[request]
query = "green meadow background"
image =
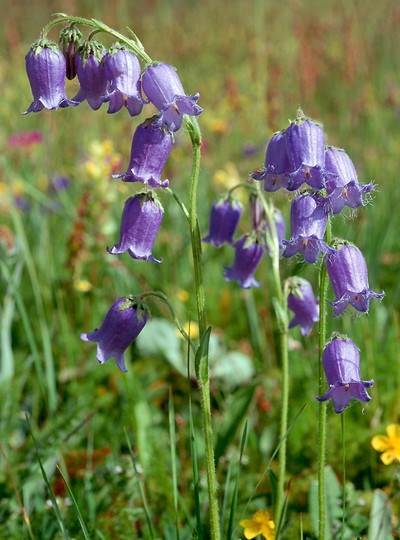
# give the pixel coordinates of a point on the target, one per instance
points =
(253, 63)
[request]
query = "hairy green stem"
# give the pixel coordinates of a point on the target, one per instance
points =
(323, 286)
(204, 380)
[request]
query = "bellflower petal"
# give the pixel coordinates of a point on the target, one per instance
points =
(151, 146)
(348, 275)
(341, 362)
(141, 219)
(274, 173)
(122, 324)
(91, 74)
(302, 302)
(248, 254)
(224, 219)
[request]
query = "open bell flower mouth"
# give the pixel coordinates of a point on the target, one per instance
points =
(91, 74)
(248, 254)
(341, 362)
(389, 445)
(162, 86)
(342, 186)
(302, 301)
(140, 222)
(348, 275)
(308, 220)
(224, 219)
(122, 324)
(151, 146)
(122, 69)
(46, 70)
(260, 523)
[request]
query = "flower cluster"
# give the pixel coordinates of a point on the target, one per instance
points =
(116, 77)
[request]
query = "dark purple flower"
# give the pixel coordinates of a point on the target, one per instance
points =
(224, 219)
(91, 74)
(274, 173)
(302, 302)
(308, 221)
(151, 146)
(164, 89)
(123, 73)
(342, 186)
(70, 38)
(121, 326)
(305, 145)
(248, 254)
(45, 67)
(141, 219)
(348, 274)
(341, 361)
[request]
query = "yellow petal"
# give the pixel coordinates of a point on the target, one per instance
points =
(387, 458)
(380, 443)
(393, 430)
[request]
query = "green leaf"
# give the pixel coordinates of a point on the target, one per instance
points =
(379, 523)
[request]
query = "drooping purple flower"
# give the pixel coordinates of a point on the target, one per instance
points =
(248, 254)
(225, 216)
(348, 275)
(308, 221)
(91, 74)
(122, 70)
(302, 302)
(141, 219)
(341, 361)
(121, 326)
(151, 146)
(261, 223)
(305, 145)
(70, 38)
(164, 89)
(275, 172)
(45, 67)
(342, 186)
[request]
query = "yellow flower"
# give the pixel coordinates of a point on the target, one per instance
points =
(390, 445)
(260, 523)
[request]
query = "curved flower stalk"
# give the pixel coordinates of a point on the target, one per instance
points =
(164, 89)
(348, 275)
(141, 219)
(341, 361)
(46, 70)
(122, 324)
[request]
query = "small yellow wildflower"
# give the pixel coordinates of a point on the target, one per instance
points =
(82, 285)
(390, 445)
(260, 523)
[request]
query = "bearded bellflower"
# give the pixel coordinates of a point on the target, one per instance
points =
(70, 37)
(274, 174)
(91, 74)
(141, 219)
(225, 216)
(308, 221)
(248, 254)
(46, 70)
(151, 146)
(261, 224)
(302, 302)
(342, 186)
(122, 70)
(305, 145)
(348, 275)
(164, 89)
(122, 324)
(341, 362)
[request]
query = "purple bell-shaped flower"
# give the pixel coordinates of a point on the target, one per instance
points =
(274, 173)
(224, 219)
(121, 326)
(342, 186)
(308, 221)
(151, 146)
(261, 224)
(302, 302)
(305, 144)
(91, 74)
(248, 254)
(341, 361)
(164, 89)
(122, 70)
(46, 70)
(70, 37)
(348, 275)
(141, 219)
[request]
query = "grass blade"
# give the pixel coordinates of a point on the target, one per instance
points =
(171, 417)
(78, 512)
